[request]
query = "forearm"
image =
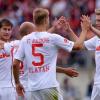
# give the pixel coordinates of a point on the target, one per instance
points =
(82, 37)
(16, 74)
(96, 31)
(79, 43)
(71, 72)
(72, 35)
(60, 70)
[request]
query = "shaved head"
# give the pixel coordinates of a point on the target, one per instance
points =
(26, 28)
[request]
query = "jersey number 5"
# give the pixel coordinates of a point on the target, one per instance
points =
(36, 54)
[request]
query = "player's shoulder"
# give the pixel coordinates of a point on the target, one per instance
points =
(12, 43)
(29, 35)
(94, 38)
(36, 34)
(54, 35)
(25, 37)
(16, 41)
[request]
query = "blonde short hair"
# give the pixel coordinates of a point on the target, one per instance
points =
(40, 15)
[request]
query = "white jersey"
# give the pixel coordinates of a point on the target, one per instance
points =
(94, 44)
(5, 69)
(11, 48)
(40, 51)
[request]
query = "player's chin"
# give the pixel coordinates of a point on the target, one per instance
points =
(6, 37)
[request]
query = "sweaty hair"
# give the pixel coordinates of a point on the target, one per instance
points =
(40, 15)
(5, 22)
(97, 11)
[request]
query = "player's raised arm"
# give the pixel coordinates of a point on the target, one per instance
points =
(57, 25)
(62, 23)
(71, 72)
(70, 32)
(85, 25)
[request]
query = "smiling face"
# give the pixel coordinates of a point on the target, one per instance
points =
(5, 32)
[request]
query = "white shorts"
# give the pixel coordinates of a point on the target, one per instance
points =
(44, 94)
(7, 94)
(95, 93)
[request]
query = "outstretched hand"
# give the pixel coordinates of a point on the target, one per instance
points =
(59, 24)
(67, 26)
(20, 90)
(85, 22)
(71, 72)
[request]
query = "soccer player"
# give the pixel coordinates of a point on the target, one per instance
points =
(94, 45)
(7, 91)
(40, 51)
(68, 71)
(11, 47)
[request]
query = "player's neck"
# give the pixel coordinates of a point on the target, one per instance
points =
(41, 28)
(4, 40)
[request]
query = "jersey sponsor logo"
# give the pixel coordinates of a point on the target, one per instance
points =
(39, 69)
(4, 55)
(98, 48)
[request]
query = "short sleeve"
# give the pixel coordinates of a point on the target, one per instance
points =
(62, 42)
(91, 43)
(19, 55)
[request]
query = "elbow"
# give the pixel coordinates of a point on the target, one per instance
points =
(78, 47)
